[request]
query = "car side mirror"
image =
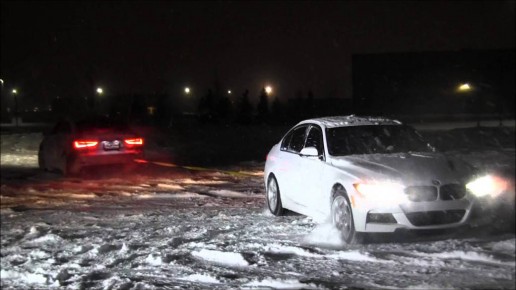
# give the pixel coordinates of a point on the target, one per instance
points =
(309, 152)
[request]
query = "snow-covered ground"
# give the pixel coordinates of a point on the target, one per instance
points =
(207, 228)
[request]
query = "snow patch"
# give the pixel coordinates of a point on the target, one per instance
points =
(218, 257)
(201, 278)
(201, 182)
(279, 284)
(227, 193)
(50, 238)
(468, 256)
(28, 278)
(507, 246)
(427, 286)
(356, 256)
(38, 254)
(153, 260)
(280, 249)
(19, 160)
(169, 195)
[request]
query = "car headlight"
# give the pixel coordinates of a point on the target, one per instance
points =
(487, 186)
(382, 192)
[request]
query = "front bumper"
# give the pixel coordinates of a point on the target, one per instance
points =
(414, 216)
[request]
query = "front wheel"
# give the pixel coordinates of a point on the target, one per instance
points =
(274, 197)
(342, 218)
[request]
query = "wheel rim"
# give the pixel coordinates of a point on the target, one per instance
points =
(342, 216)
(272, 194)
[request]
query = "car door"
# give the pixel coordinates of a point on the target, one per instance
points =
(289, 179)
(310, 169)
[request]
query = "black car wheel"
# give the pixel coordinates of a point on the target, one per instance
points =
(274, 197)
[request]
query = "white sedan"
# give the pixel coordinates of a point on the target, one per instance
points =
(369, 174)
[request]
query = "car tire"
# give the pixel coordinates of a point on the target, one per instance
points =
(41, 160)
(273, 197)
(70, 168)
(342, 218)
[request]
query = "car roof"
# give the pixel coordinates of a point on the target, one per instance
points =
(350, 120)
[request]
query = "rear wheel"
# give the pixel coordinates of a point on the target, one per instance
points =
(71, 168)
(274, 197)
(41, 160)
(342, 218)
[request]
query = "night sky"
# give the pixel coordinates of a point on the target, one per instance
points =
(70, 48)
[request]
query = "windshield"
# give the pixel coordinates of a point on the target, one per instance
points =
(372, 139)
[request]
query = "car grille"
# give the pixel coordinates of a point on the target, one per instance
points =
(421, 193)
(431, 193)
(429, 218)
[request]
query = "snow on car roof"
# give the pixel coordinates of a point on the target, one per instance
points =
(352, 120)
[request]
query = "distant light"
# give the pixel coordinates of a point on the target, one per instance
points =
(15, 91)
(187, 90)
(100, 91)
(229, 92)
(464, 87)
(2, 81)
(268, 90)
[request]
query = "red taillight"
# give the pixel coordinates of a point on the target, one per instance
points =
(82, 144)
(134, 141)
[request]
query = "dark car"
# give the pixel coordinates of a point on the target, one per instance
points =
(73, 145)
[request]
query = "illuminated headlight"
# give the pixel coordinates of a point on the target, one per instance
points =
(382, 193)
(487, 186)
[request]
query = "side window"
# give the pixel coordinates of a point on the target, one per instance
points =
(298, 139)
(287, 140)
(315, 139)
(66, 128)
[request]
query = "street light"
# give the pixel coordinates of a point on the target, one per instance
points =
(15, 95)
(268, 90)
(464, 87)
(100, 91)
(229, 92)
(187, 90)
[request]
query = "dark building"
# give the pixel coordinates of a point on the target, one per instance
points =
(445, 84)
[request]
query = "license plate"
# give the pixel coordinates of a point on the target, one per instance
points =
(114, 145)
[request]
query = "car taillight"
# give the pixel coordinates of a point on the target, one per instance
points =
(134, 141)
(83, 144)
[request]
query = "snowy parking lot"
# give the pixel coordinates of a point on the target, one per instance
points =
(164, 226)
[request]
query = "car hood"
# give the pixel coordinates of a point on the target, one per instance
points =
(409, 168)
